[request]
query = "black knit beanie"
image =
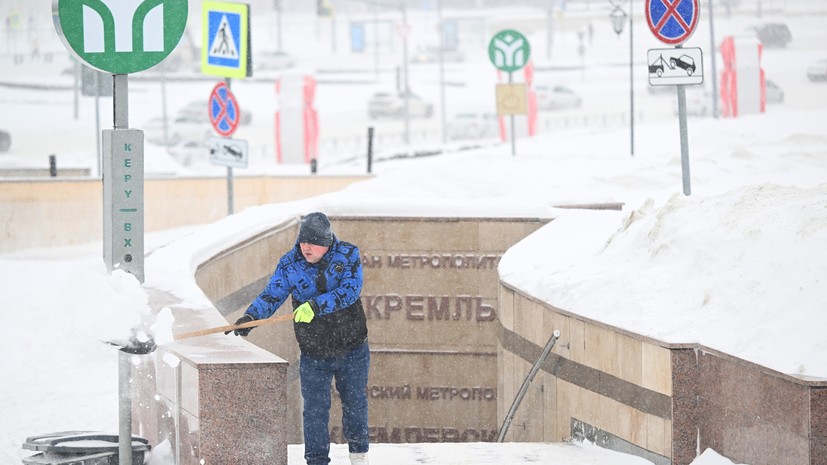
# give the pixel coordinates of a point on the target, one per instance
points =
(315, 229)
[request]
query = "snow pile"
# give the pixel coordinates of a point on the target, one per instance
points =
(737, 272)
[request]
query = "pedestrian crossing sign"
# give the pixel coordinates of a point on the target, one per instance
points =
(225, 47)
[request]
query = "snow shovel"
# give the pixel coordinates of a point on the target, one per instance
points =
(225, 328)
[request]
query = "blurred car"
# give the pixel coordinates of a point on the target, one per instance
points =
(556, 98)
(772, 35)
(774, 92)
(198, 110)
(473, 126)
(386, 104)
(431, 55)
(698, 102)
(179, 130)
(684, 62)
(818, 71)
(5, 141)
(191, 151)
(268, 59)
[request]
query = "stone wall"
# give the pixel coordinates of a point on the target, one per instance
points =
(638, 395)
(430, 295)
(45, 212)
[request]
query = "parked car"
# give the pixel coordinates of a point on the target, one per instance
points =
(773, 35)
(267, 59)
(818, 71)
(698, 101)
(774, 92)
(431, 55)
(386, 104)
(684, 62)
(556, 98)
(198, 110)
(179, 130)
(5, 141)
(473, 126)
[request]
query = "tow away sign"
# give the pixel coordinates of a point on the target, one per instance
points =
(228, 152)
(674, 66)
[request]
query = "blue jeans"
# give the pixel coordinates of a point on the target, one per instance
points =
(351, 373)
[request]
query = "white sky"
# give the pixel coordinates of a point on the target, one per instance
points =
(737, 266)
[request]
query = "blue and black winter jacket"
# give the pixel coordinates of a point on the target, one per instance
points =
(332, 286)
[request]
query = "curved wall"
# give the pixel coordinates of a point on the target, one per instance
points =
(661, 401)
(430, 295)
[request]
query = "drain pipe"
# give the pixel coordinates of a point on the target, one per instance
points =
(526, 383)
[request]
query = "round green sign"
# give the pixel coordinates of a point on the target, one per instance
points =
(509, 50)
(117, 36)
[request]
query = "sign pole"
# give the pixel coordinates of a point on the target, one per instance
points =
(513, 136)
(684, 135)
(673, 26)
(230, 199)
(509, 51)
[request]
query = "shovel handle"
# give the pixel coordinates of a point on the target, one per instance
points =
(221, 329)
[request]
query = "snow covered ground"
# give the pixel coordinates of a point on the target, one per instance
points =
(738, 266)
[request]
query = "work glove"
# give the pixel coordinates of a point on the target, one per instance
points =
(243, 332)
(303, 313)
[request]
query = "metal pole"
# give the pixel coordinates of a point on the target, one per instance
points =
(278, 21)
(550, 28)
(526, 383)
(687, 189)
(513, 136)
(98, 125)
(407, 90)
(370, 149)
(124, 409)
(442, 69)
(631, 79)
(375, 42)
(120, 100)
(715, 110)
(230, 200)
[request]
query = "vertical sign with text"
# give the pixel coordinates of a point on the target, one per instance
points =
(123, 202)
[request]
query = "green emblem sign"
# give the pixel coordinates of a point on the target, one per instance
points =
(509, 50)
(118, 36)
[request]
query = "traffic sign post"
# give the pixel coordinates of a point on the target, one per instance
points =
(509, 51)
(228, 152)
(226, 40)
(225, 116)
(675, 66)
(673, 22)
(116, 39)
(224, 112)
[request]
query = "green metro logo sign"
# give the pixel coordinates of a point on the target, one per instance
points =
(120, 36)
(509, 50)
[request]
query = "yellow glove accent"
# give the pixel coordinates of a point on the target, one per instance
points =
(303, 313)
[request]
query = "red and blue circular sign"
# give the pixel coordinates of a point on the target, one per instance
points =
(223, 110)
(672, 21)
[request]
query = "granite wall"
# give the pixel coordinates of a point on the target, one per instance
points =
(661, 401)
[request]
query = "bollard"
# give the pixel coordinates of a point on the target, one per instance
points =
(52, 166)
(370, 149)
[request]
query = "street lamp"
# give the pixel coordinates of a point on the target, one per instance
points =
(618, 17)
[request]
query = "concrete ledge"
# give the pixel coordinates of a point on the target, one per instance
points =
(215, 399)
